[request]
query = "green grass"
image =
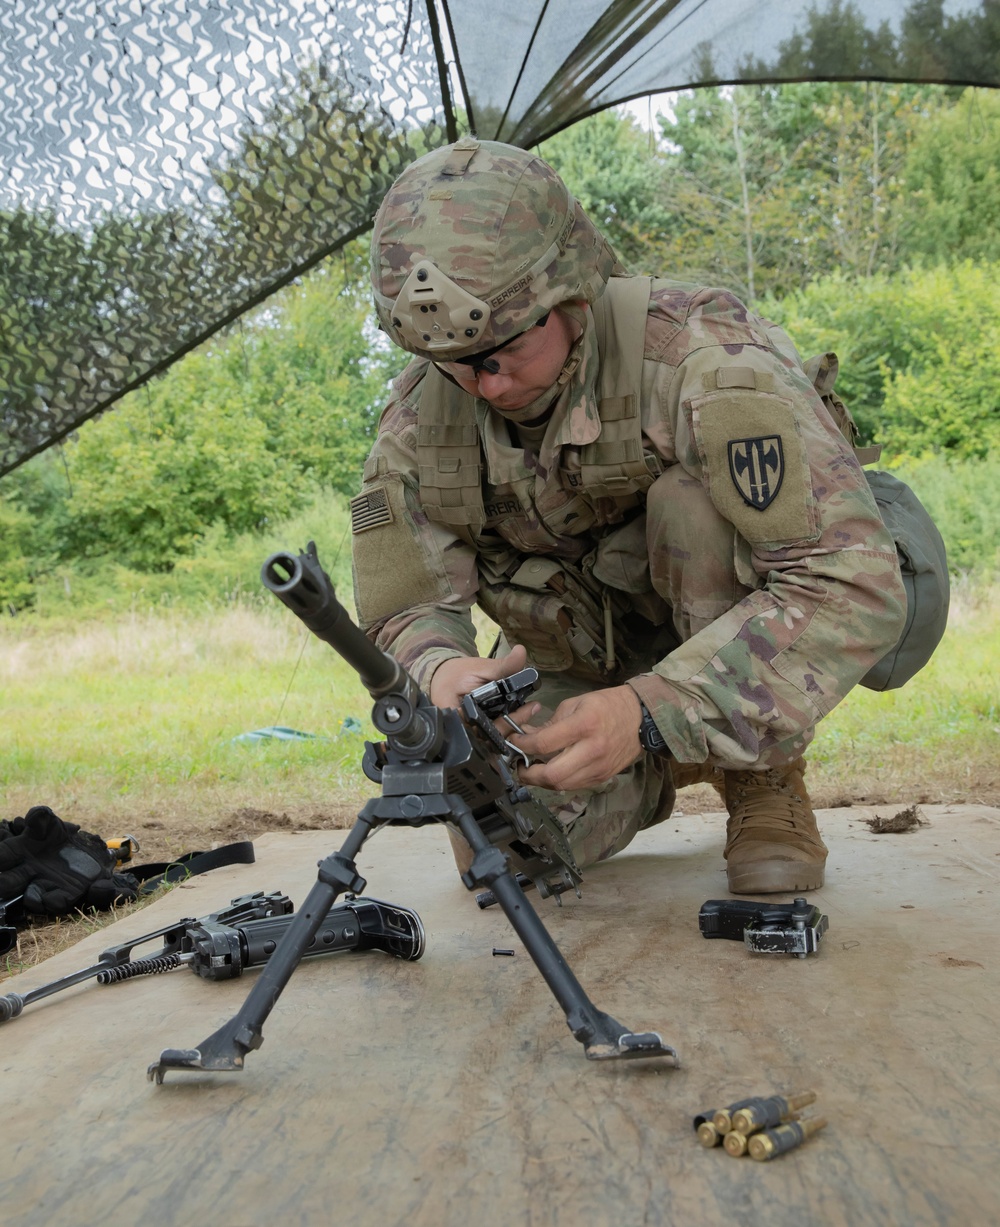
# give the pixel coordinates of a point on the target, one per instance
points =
(142, 711)
(941, 731)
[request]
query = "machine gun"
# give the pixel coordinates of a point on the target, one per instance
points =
(435, 765)
(245, 934)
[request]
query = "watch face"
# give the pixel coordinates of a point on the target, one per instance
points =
(650, 737)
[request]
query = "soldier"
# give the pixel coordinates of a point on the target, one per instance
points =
(637, 481)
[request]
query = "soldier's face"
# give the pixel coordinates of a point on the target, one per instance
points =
(528, 366)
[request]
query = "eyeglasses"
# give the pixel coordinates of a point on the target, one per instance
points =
(473, 366)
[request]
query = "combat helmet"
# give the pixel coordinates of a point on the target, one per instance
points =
(475, 243)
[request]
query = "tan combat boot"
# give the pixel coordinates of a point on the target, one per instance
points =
(773, 845)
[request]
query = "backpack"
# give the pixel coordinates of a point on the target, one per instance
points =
(923, 560)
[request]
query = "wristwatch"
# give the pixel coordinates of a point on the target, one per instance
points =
(650, 737)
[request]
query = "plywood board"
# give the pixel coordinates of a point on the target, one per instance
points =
(449, 1091)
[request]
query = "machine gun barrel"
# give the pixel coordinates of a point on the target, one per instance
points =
(301, 583)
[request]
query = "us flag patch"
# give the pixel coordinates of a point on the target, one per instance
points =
(370, 510)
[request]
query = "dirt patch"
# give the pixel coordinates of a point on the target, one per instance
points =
(248, 823)
(170, 827)
(948, 960)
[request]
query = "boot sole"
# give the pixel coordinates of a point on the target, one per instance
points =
(774, 878)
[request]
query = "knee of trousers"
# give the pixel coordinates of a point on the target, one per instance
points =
(602, 821)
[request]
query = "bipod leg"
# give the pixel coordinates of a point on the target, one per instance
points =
(225, 1049)
(601, 1036)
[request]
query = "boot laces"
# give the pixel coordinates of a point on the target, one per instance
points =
(766, 802)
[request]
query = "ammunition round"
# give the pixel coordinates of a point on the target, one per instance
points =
(746, 1121)
(708, 1135)
(761, 1147)
(735, 1143)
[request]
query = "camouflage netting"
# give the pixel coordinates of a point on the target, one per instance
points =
(165, 165)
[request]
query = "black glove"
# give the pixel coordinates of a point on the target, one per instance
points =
(57, 867)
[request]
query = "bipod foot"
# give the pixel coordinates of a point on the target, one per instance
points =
(630, 1045)
(222, 1052)
(603, 1038)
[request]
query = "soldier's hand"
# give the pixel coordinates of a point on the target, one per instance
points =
(590, 739)
(456, 677)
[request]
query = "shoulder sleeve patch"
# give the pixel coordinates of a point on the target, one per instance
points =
(755, 463)
(400, 566)
(370, 509)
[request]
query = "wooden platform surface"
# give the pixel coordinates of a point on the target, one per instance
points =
(450, 1091)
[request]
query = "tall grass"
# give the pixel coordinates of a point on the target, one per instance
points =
(938, 737)
(147, 707)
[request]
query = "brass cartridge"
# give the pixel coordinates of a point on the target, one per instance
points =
(765, 1113)
(735, 1143)
(723, 1118)
(774, 1142)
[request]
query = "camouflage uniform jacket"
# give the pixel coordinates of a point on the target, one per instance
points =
(817, 599)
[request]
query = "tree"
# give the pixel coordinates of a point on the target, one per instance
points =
(608, 163)
(771, 186)
(172, 461)
(947, 400)
(16, 587)
(737, 182)
(317, 374)
(919, 354)
(952, 179)
(836, 42)
(236, 434)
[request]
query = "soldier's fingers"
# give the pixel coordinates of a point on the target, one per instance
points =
(521, 716)
(544, 741)
(569, 726)
(570, 769)
(515, 660)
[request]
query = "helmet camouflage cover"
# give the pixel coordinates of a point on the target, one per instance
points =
(474, 243)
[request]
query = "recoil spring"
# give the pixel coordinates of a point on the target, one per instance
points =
(140, 967)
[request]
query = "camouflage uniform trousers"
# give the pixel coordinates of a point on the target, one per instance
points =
(695, 572)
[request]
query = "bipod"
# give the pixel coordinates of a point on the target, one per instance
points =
(225, 1049)
(602, 1037)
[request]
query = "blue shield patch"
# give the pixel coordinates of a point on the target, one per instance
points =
(757, 467)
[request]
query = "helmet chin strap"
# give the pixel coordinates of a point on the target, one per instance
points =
(538, 408)
(541, 405)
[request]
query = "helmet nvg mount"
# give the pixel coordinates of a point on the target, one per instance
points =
(474, 243)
